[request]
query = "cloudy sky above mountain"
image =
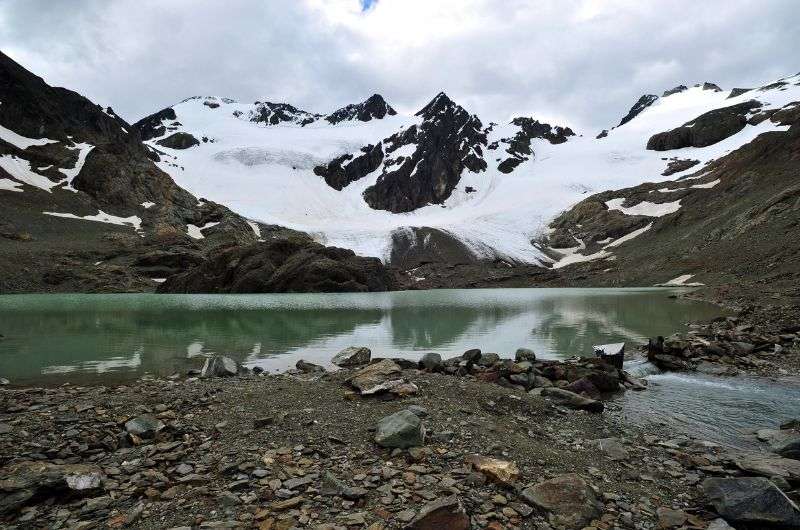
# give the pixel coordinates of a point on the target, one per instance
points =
(581, 62)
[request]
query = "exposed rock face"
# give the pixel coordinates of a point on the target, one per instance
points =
(375, 107)
(153, 126)
(23, 482)
(281, 266)
(707, 129)
(179, 140)
(677, 165)
(754, 501)
(341, 171)
(677, 90)
(413, 246)
(519, 147)
(435, 152)
(643, 102)
(268, 113)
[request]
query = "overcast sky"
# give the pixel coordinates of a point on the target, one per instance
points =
(580, 63)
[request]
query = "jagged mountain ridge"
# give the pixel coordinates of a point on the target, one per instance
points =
(492, 188)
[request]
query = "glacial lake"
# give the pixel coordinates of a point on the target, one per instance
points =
(81, 338)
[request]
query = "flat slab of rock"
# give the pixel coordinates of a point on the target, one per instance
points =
(568, 498)
(352, 356)
(501, 471)
(145, 426)
(445, 513)
(785, 442)
(572, 400)
(767, 465)
(401, 430)
(753, 500)
(612, 448)
(25, 480)
(374, 375)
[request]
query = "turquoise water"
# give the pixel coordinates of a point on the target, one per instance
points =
(85, 338)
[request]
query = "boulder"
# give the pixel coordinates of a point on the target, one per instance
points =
(23, 481)
(352, 356)
(569, 500)
(179, 140)
(612, 448)
(446, 513)
(400, 430)
(769, 466)
(431, 362)
(219, 366)
(572, 400)
(670, 518)
(501, 471)
(751, 500)
(471, 356)
(309, 368)
(374, 375)
(524, 354)
(144, 426)
(488, 359)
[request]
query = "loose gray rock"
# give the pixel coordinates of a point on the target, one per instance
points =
(219, 366)
(445, 513)
(753, 500)
(524, 354)
(431, 362)
(352, 356)
(145, 426)
(401, 430)
(568, 498)
(572, 400)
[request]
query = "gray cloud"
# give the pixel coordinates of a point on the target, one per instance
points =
(580, 62)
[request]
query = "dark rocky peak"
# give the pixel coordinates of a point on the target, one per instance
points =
(375, 107)
(736, 92)
(643, 102)
(677, 90)
(270, 113)
(424, 162)
(519, 147)
(711, 86)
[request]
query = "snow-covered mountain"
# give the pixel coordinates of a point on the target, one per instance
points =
(362, 175)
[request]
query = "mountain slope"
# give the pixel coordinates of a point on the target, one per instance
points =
(83, 207)
(491, 189)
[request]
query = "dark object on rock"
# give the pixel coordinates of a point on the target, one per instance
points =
(613, 354)
(442, 514)
(572, 400)
(352, 356)
(24, 482)
(219, 366)
(431, 362)
(707, 129)
(293, 265)
(179, 140)
(309, 368)
(401, 430)
(678, 165)
(643, 102)
(750, 500)
(568, 498)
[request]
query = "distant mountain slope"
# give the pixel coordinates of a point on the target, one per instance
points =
(83, 207)
(493, 188)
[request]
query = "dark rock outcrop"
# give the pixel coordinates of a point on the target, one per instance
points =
(269, 113)
(519, 147)
(179, 140)
(375, 107)
(677, 165)
(677, 90)
(281, 266)
(153, 126)
(738, 92)
(707, 129)
(340, 172)
(446, 142)
(643, 102)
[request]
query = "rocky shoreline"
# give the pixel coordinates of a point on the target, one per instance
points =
(379, 444)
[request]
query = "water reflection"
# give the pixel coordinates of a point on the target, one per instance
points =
(52, 338)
